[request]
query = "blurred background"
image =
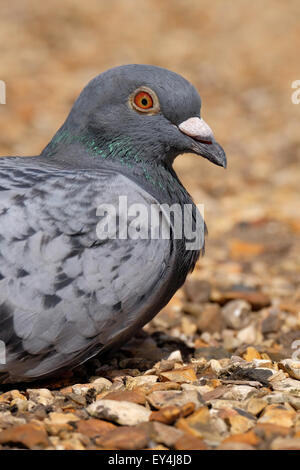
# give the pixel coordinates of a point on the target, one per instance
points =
(241, 56)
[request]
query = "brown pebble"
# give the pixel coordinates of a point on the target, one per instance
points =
(94, 427)
(166, 415)
(124, 438)
(210, 319)
(258, 300)
(28, 435)
(127, 395)
(187, 442)
(278, 414)
(247, 438)
(187, 409)
(197, 290)
(268, 431)
(164, 386)
(182, 375)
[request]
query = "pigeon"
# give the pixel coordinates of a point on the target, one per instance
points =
(69, 291)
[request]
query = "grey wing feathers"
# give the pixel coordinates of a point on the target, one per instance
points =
(63, 292)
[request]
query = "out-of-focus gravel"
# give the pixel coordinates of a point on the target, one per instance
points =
(219, 366)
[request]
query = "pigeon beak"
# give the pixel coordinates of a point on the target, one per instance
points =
(203, 141)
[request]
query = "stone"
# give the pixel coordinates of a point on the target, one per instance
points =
(239, 392)
(162, 433)
(133, 382)
(251, 354)
(166, 415)
(159, 447)
(200, 389)
(294, 402)
(246, 438)
(226, 404)
(71, 443)
(205, 340)
(42, 396)
(286, 385)
(127, 395)
(289, 443)
(209, 318)
(78, 399)
(187, 409)
(164, 365)
(180, 375)
(197, 290)
(248, 335)
(215, 366)
(192, 309)
(281, 415)
(163, 386)
(99, 385)
(93, 427)
(251, 374)
(256, 405)
(30, 435)
(272, 323)
(57, 422)
(187, 442)
(230, 342)
(256, 299)
(121, 412)
(160, 399)
(215, 393)
(7, 397)
(236, 314)
(175, 356)
(202, 425)
(292, 367)
(239, 421)
(264, 364)
(170, 316)
(7, 419)
(188, 326)
(235, 446)
(124, 438)
(20, 405)
(268, 431)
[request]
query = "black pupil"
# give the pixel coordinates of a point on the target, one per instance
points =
(144, 102)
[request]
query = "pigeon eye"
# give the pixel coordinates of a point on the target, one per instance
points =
(144, 100)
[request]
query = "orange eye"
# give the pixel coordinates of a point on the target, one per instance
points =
(143, 100)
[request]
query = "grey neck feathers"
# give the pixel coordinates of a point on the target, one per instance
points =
(73, 148)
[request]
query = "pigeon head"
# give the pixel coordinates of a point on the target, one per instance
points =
(138, 112)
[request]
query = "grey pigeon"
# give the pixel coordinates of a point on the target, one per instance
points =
(66, 294)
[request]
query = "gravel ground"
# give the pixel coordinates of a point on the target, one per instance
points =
(219, 367)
